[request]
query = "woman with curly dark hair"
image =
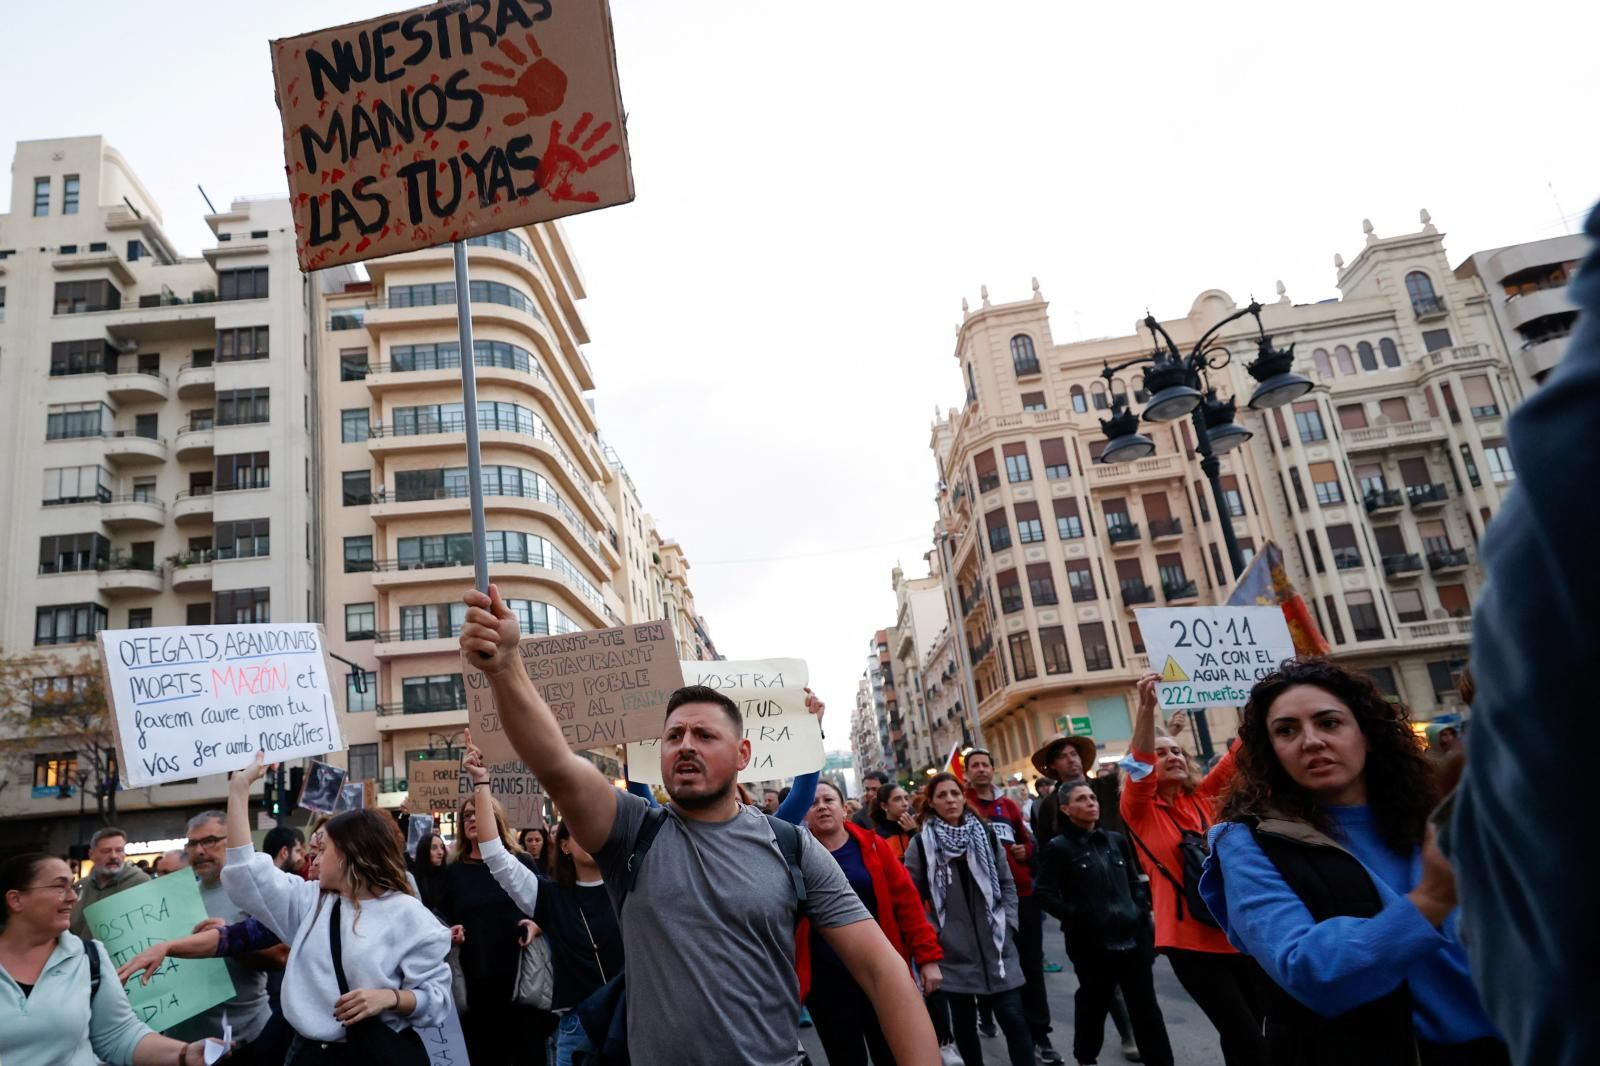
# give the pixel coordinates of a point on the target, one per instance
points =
(1321, 870)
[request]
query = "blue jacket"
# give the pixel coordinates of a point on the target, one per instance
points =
(1519, 831)
(1338, 964)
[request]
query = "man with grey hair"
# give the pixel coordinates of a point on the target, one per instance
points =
(170, 862)
(248, 1011)
(111, 874)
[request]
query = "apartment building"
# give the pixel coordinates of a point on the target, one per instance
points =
(151, 398)
(864, 727)
(1377, 485)
(1527, 288)
(920, 616)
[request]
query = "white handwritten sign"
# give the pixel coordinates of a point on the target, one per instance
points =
(192, 701)
(1212, 656)
(446, 1044)
(785, 740)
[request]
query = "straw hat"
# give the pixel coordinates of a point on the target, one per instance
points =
(1087, 753)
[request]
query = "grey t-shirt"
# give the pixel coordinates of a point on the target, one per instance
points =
(709, 934)
(248, 1011)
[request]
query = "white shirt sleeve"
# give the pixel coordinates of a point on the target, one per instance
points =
(276, 899)
(519, 882)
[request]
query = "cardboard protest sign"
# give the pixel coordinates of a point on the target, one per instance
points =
(785, 739)
(192, 701)
(151, 913)
(434, 784)
(448, 121)
(323, 787)
(446, 1044)
(522, 798)
(606, 686)
(1212, 656)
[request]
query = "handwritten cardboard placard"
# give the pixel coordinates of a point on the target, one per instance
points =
(522, 797)
(434, 784)
(446, 1044)
(785, 739)
(152, 913)
(606, 686)
(323, 788)
(192, 701)
(448, 121)
(1212, 656)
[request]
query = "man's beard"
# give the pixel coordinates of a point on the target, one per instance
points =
(699, 801)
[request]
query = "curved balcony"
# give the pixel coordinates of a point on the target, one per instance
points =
(191, 572)
(1384, 436)
(391, 573)
(1542, 303)
(132, 512)
(120, 579)
(193, 506)
(136, 386)
(195, 442)
(196, 382)
(124, 447)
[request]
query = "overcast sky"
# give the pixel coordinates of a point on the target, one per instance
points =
(820, 184)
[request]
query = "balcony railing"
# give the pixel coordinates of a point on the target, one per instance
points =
(1347, 558)
(136, 497)
(1165, 527)
(1180, 590)
(150, 567)
(1395, 565)
(1133, 593)
(1084, 595)
(1123, 532)
(424, 708)
(1427, 306)
(981, 649)
(1026, 367)
(195, 490)
(1384, 500)
(1451, 559)
(1427, 495)
(198, 557)
(1098, 659)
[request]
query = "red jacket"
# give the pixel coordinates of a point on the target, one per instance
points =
(900, 912)
(1004, 809)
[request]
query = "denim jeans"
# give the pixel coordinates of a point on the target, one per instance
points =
(570, 1039)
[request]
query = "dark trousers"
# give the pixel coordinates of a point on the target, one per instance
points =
(939, 1011)
(1228, 989)
(1008, 1014)
(504, 1033)
(1100, 974)
(1030, 950)
(845, 1021)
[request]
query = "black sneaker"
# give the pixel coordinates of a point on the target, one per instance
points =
(988, 1029)
(1046, 1053)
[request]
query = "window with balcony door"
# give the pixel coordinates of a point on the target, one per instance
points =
(1364, 616)
(432, 621)
(1116, 512)
(1130, 579)
(1069, 525)
(1080, 403)
(999, 532)
(1395, 409)
(1352, 416)
(1391, 541)
(1022, 666)
(988, 475)
(1416, 476)
(1096, 650)
(1158, 514)
(1231, 493)
(1174, 577)
(1080, 581)
(1054, 453)
(1030, 530)
(436, 692)
(1343, 360)
(1497, 455)
(1322, 363)
(1481, 400)
(1010, 591)
(1033, 401)
(1453, 598)
(1023, 359)
(1308, 421)
(1053, 643)
(1041, 585)
(1326, 484)
(1435, 538)
(1408, 606)
(1016, 456)
(1346, 550)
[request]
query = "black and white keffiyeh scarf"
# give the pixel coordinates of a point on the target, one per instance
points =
(969, 840)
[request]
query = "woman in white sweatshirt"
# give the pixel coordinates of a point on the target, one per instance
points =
(392, 949)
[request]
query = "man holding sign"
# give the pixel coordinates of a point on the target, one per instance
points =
(717, 868)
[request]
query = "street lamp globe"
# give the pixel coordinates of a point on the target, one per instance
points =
(1224, 434)
(1171, 396)
(1279, 384)
(1122, 431)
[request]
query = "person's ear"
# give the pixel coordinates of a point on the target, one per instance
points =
(744, 754)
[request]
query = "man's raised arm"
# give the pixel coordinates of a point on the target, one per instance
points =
(586, 799)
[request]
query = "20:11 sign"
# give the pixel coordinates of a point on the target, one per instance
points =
(1212, 656)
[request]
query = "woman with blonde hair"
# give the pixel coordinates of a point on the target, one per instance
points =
(362, 948)
(487, 923)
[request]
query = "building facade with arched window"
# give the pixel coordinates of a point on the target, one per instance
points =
(1377, 486)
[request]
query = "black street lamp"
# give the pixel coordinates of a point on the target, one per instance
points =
(1174, 382)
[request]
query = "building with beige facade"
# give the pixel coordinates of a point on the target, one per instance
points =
(920, 618)
(1527, 288)
(160, 454)
(1377, 485)
(864, 722)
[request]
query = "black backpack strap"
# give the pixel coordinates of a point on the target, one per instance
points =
(788, 837)
(1176, 884)
(334, 936)
(654, 819)
(94, 966)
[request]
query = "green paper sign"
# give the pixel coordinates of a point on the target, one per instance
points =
(157, 911)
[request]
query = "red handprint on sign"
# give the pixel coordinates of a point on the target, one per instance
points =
(541, 85)
(561, 160)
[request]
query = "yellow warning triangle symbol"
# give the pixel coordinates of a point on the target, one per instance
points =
(1172, 671)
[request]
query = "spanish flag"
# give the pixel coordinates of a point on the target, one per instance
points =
(1265, 583)
(955, 764)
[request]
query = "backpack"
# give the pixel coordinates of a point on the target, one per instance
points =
(94, 966)
(604, 1013)
(1192, 852)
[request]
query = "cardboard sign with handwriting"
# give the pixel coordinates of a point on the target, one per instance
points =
(785, 739)
(152, 913)
(606, 687)
(434, 784)
(449, 121)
